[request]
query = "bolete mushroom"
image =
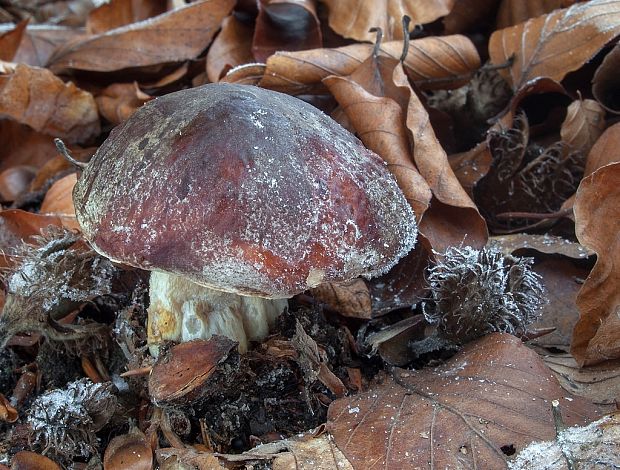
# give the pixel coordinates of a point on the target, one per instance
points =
(238, 198)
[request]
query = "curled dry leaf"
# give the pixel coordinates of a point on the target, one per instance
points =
(354, 18)
(41, 41)
(285, 25)
(131, 450)
(515, 244)
(391, 120)
(458, 414)
(175, 36)
(596, 337)
(26, 460)
(605, 83)
(350, 298)
(606, 150)
(36, 97)
(231, 47)
(469, 167)
(115, 14)
(557, 43)
(599, 383)
(583, 125)
(10, 40)
(445, 62)
(512, 12)
(120, 100)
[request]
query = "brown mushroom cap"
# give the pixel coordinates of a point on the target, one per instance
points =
(243, 190)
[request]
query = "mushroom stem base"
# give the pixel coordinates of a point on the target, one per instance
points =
(181, 310)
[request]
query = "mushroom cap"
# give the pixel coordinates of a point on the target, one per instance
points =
(243, 190)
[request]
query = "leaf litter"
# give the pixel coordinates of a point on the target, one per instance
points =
(354, 375)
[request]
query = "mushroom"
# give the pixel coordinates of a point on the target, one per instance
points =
(237, 198)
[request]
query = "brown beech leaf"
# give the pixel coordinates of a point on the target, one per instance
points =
(230, 48)
(518, 243)
(599, 383)
(605, 83)
(10, 40)
(118, 101)
(557, 43)
(596, 337)
(379, 121)
(495, 394)
(512, 12)
(119, 13)
(175, 36)
(562, 280)
(39, 42)
(469, 167)
(18, 225)
(445, 62)
(583, 125)
(349, 298)
(353, 18)
(36, 97)
(285, 25)
(21, 145)
(606, 150)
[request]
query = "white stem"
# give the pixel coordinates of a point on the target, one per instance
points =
(181, 310)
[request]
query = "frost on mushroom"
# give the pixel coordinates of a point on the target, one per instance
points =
(238, 190)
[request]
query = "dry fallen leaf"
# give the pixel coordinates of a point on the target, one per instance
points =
(431, 62)
(599, 383)
(10, 40)
(583, 125)
(606, 150)
(174, 36)
(230, 48)
(557, 43)
(353, 18)
(15, 181)
(285, 25)
(36, 97)
(493, 397)
(468, 15)
(517, 243)
(117, 13)
(605, 82)
(119, 101)
(39, 42)
(596, 337)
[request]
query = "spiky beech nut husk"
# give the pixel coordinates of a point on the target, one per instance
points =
(475, 292)
(243, 190)
(64, 421)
